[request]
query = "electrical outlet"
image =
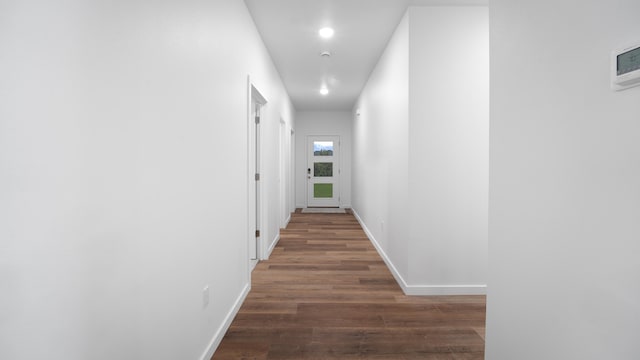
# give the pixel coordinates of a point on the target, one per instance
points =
(205, 296)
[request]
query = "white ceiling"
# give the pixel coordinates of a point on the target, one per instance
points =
(289, 29)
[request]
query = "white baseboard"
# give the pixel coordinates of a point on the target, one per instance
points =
(272, 246)
(252, 264)
(445, 290)
(222, 330)
(396, 274)
(419, 289)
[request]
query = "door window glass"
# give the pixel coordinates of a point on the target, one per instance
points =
(322, 169)
(323, 148)
(323, 190)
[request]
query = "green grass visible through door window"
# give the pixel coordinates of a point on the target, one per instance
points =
(322, 190)
(321, 169)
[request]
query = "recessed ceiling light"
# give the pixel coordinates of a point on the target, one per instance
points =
(324, 91)
(326, 32)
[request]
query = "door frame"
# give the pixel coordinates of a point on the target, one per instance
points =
(255, 195)
(283, 179)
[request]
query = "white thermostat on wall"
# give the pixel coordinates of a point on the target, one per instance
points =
(625, 68)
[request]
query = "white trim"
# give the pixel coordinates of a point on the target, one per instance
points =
(222, 330)
(272, 246)
(250, 170)
(445, 290)
(419, 289)
(287, 221)
(283, 207)
(252, 264)
(256, 199)
(396, 274)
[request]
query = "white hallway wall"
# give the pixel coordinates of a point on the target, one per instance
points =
(564, 220)
(123, 177)
(381, 151)
(323, 123)
(421, 151)
(449, 146)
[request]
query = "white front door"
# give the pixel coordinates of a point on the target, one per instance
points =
(323, 171)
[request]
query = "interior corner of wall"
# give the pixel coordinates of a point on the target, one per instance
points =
(392, 268)
(226, 323)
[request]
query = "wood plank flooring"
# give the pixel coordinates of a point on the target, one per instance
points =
(325, 293)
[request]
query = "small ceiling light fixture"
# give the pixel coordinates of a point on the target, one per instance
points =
(326, 32)
(325, 54)
(324, 90)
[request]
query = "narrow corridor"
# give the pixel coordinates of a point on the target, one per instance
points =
(325, 293)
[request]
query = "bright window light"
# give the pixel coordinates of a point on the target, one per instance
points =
(326, 32)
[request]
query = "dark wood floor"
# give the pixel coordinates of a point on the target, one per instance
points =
(325, 293)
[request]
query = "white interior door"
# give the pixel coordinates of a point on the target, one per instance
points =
(323, 171)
